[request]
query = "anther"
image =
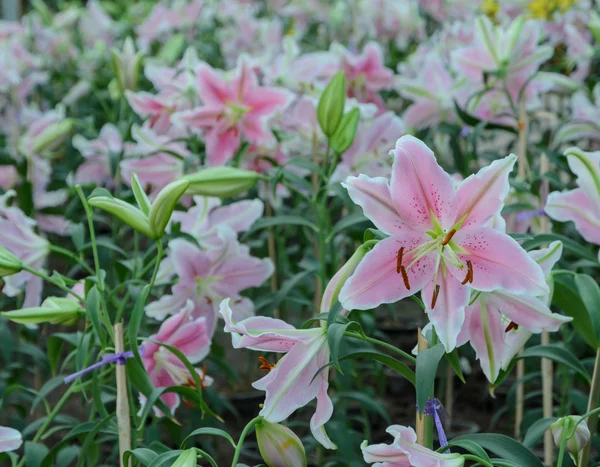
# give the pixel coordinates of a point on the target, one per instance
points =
(469, 276)
(405, 277)
(265, 365)
(436, 292)
(449, 237)
(512, 325)
(399, 260)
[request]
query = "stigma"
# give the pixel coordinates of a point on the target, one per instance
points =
(265, 365)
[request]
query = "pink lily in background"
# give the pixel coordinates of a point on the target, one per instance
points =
(291, 382)
(97, 153)
(405, 452)
(581, 205)
(585, 118)
(18, 235)
(498, 324)
(233, 109)
(440, 240)
(204, 220)
(206, 277)
(189, 335)
(10, 439)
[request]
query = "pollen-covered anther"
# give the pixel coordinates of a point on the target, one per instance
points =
(512, 325)
(436, 292)
(405, 277)
(265, 365)
(469, 276)
(399, 260)
(448, 237)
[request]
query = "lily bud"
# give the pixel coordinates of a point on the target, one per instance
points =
(126, 65)
(188, 458)
(172, 49)
(140, 195)
(53, 136)
(164, 204)
(125, 212)
(278, 445)
(594, 25)
(9, 263)
(221, 182)
(344, 136)
(331, 104)
(336, 283)
(577, 438)
(54, 310)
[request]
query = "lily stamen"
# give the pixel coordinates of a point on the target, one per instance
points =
(399, 260)
(405, 277)
(265, 365)
(469, 276)
(449, 237)
(436, 292)
(512, 325)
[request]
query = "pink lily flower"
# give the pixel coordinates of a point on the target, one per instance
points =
(291, 382)
(498, 324)
(585, 118)
(96, 168)
(581, 205)
(405, 452)
(207, 277)
(10, 439)
(440, 240)
(190, 336)
(18, 235)
(233, 109)
(204, 220)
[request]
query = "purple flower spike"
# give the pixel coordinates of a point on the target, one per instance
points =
(435, 409)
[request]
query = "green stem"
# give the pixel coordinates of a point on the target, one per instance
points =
(383, 344)
(470, 457)
(53, 282)
(89, 215)
(159, 254)
(68, 254)
(238, 448)
(592, 406)
(59, 405)
(563, 442)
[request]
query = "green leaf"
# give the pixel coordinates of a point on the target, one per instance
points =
(164, 460)
(386, 360)
(590, 295)
(558, 354)
(92, 306)
(568, 244)
(334, 313)
(345, 223)
(453, 359)
(34, 453)
(365, 400)
(144, 455)
(78, 235)
(335, 334)
(536, 431)
(473, 121)
(209, 431)
(135, 320)
(472, 447)
(503, 446)
(282, 220)
(568, 300)
(287, 287)
(426, 369)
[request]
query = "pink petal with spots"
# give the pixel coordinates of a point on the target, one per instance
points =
(419, 186)
(376, 281)
(498, 261)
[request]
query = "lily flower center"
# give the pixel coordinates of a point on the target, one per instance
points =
(234, 113)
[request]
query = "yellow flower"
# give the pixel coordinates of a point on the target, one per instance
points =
(490, 8)
(542, 9)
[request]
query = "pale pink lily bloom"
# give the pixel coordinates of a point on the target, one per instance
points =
(405, 452)
(498, 324)
(206, 277)
(155, 107)
(580, 205)
(96, 26)
(203, 220)
(440, 240)
(17, 234)
(585, 118)
(191, 337)
(291, 383)
(96, 168)
(370, 151)
(514, 48)
(233, 110)
(8, 177)
(10, 439)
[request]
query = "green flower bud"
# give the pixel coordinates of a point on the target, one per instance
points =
(54, 310)
(188, 458)
(125, 212)
(9, 263)
(278, 445)
(344, 135)
(577, 438)
(594, 25)
(126, 65)
(52, 136)
(331, 104)
(222, 182)
(172, 49)
(140, 195)
(164, 204)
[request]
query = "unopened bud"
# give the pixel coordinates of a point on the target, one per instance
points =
(52, 136)
(164, 204)
(278, 445)
(344, 135)
(125, 212)
(221, 182)
(9, 263)
(577, 435)
(126, 65)
(54, 310)
(188, 458)
(331, 104)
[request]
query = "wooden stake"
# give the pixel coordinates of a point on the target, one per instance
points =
(272, 255)
(449, 402)
(123, 420)
(422, 344)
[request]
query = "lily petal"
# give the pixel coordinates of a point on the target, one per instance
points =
(576, 206)
(487, 331)
(10, 439)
